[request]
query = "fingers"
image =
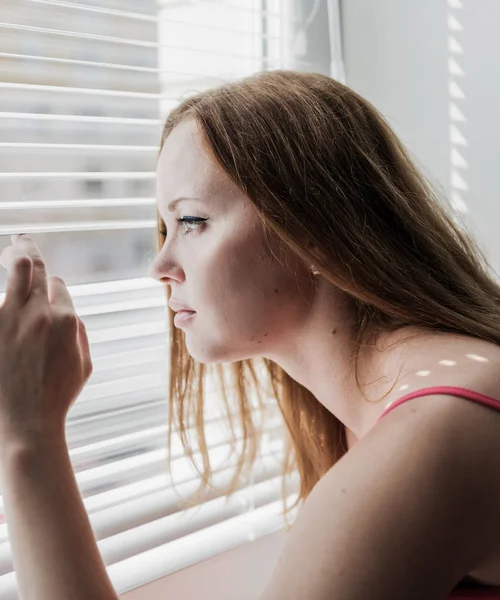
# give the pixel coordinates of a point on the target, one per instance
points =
(27, 276)
(27, 279)
(59, 295)
(39, 286)
(19, 275)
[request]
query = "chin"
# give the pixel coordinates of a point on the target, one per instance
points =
(214, 354)
(207, 355)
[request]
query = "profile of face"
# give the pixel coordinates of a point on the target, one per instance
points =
(247, 304)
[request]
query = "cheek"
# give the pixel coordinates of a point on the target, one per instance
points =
(234, 259)
(237, 279)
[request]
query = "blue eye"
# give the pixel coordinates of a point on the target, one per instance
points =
(190, 222)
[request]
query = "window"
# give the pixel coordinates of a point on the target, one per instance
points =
(92, 80)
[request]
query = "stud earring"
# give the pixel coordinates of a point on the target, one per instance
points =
(314, 270)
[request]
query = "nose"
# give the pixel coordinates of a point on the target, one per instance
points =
(164, 271)
(153, 271)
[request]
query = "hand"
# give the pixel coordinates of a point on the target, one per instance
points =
(44, 350)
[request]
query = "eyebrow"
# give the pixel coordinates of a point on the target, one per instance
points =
(173, 204)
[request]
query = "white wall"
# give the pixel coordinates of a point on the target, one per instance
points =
(396, 55)
(481, 107)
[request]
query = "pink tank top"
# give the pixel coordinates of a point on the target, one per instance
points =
(467, 587)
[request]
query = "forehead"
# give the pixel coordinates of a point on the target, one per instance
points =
(184, 162)
(186, 168)
(182, 144)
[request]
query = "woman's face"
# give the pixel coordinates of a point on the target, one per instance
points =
(246, 303)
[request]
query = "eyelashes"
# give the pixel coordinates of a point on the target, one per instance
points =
(190, 223)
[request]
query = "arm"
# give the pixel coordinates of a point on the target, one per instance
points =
(405, 514)
(54, 550)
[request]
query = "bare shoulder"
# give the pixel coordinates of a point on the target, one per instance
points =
(450, 359)
(407, 512)
(469, 428)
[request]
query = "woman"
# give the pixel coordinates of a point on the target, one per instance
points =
(308, 254)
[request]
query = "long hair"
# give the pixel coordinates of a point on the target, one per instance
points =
(329, 178)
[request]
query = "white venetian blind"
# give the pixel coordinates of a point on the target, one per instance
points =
(84, 87)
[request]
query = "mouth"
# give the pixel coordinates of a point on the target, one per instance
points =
(183, 315)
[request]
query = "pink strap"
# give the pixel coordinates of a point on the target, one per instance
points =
(450, 390)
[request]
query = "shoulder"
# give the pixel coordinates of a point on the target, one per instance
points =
(453, 444)
(450, 422)
(413, 506)
(451, 359)
(446, 360)
(409, 510)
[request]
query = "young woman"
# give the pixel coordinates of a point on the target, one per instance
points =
(306, 259)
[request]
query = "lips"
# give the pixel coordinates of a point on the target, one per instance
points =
(183, 315)
(177, 306)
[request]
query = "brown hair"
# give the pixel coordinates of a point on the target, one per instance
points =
(332, 181)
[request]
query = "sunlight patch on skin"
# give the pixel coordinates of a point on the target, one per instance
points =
(445, 363)
(478, 358)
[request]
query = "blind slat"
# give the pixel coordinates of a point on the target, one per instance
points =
(29, 228)
(80, 119)
(81, 203)
(80, 175)
(120, 67)
(88, 147)
(82, 63)
(79, 90)
(96, 9)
